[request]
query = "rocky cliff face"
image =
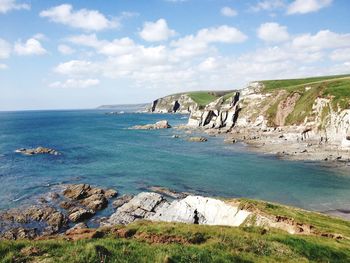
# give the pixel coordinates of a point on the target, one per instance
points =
(306, 111)
(178, 103)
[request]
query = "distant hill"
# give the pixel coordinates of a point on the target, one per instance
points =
(124, 107)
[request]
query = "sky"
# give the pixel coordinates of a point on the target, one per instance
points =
(82, 54)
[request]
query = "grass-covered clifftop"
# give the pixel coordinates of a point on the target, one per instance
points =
(334, 88)
(170, 242)
(203, 98)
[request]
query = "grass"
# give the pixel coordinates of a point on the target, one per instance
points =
(271, 85)
(202, 98)
(336, 88)
(170, 242)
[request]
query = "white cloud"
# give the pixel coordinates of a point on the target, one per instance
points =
(31, 47)
(194, 62)
(5, 49)
(341, 54)
(3, 66)
(8, 5)
(193, 45)
(65, 50)
(75, 83)
(324, 39)
(228, 11)
(156, 31)
(208, 64)
(273, 32)
(91, 20)
(268, 5)
(307, 6)
(75, 68)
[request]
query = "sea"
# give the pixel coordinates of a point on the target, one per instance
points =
(99, 149)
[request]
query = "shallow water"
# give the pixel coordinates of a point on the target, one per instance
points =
(100, 150)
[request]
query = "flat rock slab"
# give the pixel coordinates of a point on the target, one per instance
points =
(191, 210)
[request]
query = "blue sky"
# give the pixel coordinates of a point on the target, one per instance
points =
(81, 54)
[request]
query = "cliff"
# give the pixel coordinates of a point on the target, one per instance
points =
(184, 102)
(312, 108)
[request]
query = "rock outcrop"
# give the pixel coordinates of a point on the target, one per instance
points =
(78, 203)
(191, 210)
(178, 103)
(158, 125)
(257, 109)
(31, 221)
(38, 150)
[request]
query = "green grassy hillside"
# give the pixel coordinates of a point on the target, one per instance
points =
(203, 98)
(336, 88)
(170, 242)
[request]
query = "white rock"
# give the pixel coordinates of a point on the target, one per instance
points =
(209, 211)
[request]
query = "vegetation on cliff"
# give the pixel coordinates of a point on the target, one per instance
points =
(335, 88)
(170, 242)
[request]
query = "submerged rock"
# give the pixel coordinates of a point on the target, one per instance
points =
(158, 125)
(197, 139)
(38, 150)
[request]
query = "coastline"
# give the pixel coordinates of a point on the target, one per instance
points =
(281, 143)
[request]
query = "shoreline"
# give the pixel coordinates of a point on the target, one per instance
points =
(282, 144)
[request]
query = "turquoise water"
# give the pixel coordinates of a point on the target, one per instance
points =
(100, 150)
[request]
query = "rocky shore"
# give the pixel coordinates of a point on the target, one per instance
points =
(69, 213)
(302, 121)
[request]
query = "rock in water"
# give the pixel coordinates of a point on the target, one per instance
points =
(19, 223)
(197, 139)
(38, 150)
(158, 125)
(86, 196)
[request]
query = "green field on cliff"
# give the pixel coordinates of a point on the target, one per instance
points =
(169, 242)
(335, 88)
(203, 98)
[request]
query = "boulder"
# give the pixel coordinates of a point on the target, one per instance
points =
(79, 214)
(77, 192)
(95, 202)
(110, 193)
